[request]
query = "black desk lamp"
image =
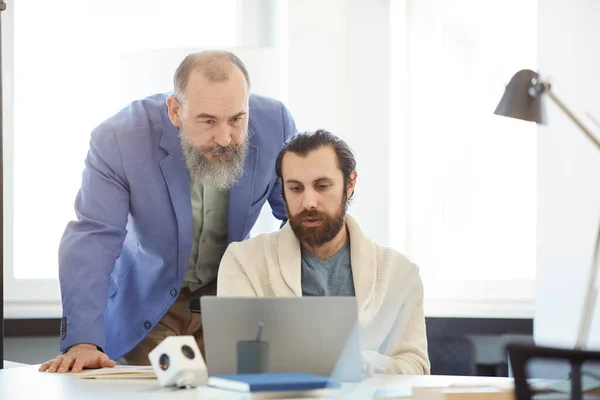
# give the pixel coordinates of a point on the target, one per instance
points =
(2, 8)
(523, 100)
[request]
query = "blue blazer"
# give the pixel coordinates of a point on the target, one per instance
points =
(122, 261)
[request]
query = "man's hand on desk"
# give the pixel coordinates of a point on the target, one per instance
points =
(367, 367)
(77, 358)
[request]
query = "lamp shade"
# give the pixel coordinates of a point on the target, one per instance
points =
(522, 98)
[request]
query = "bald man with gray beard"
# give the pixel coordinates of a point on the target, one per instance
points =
(168, 183)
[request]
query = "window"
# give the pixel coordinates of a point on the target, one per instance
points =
(70, 64)
(468, 178)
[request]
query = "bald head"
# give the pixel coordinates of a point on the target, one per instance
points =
(214, 65)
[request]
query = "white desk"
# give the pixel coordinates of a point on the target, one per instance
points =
(26, 383)
(12, 364)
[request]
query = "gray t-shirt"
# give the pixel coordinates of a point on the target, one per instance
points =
(331, 277)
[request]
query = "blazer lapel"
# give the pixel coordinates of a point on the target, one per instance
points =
(240, 198)
(176, 177)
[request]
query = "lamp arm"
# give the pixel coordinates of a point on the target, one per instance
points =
(571, 116)
(590, 298)
(591, 292)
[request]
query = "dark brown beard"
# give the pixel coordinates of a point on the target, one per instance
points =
(318, 235)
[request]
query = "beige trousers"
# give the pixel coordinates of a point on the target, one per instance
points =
(179, 320)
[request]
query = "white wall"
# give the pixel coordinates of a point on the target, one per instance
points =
(568, 170)
(339, 80)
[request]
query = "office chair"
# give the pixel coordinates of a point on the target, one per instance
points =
(520, 354)
(452, 356)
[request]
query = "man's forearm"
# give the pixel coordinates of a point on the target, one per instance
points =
(405, 364)
(85, 345)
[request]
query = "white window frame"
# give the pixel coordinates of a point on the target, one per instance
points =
(41, 298)
(442, 298)
(31, 297)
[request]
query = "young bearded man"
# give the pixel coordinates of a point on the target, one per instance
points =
(321, 251)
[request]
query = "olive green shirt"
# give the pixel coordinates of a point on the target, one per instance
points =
(209, 240)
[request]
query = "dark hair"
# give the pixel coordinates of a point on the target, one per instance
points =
(306, 142)
(213, 63)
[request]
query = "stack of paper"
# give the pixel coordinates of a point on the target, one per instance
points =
(119, 372)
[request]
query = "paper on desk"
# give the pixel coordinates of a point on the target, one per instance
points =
(393, 394)
(119, 372)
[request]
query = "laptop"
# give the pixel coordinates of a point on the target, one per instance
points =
(315, 335)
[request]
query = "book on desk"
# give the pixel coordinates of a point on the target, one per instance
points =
(277, 385)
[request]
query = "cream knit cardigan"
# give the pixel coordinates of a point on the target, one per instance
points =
(388, 290)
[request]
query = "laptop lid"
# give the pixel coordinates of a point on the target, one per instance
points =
(318, 335)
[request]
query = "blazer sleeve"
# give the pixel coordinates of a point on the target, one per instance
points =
(406, 349)
(91, 244)
(232, 279)
(276, 198)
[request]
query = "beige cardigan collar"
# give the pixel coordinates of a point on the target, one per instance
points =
(363, 258)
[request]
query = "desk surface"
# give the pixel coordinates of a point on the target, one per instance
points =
(27, 383)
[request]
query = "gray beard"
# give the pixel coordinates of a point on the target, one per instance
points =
(218, 174)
